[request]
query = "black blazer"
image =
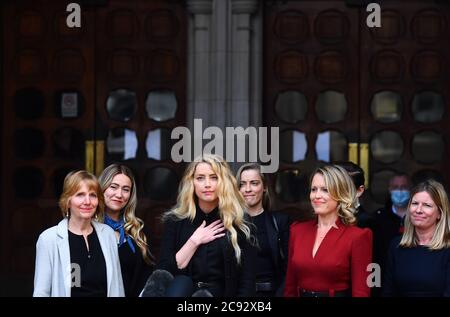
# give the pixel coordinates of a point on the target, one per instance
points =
(278, 240)
(239, 279)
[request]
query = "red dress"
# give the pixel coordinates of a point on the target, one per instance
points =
(340, 262)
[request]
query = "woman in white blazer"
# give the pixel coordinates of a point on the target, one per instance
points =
(79, 256)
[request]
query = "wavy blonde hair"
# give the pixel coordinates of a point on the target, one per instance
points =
(231, 203)
(340, 188)
(133, 225)
(72, 183)
(441, 236)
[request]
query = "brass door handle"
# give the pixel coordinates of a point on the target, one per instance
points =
(364, 161)
(94, 156)
(358, 153)
(89, 156)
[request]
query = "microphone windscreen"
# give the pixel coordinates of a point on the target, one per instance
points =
(202, 293)
(157, 284)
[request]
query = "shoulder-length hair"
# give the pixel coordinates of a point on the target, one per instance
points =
(441, 236)
(72, 183)
(133, 225)
(340, 188)
(266, 200)
(231, 203)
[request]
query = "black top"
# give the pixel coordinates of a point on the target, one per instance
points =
(214, 261)
(92, 266)
(207, 261)
(417, 271)
(135, 270)
(265, 269)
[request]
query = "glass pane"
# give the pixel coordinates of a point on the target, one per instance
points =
(158, 144)
(386, 146)
(379, 185)
(28, 182)
(331, 146)
(161, 183)
(428, 147)
(423, 175)
(292, 186)
(291, 106)
(161, 105)
(387, 107)
(293, 146)
(68, 143)
(121, 104)
(428, 107)
(58, 179)
(29, 104)
(331, 106)
(122, 144)
(69, 104)
(29, 143)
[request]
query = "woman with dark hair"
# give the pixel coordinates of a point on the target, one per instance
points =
(119, 190)
(78, 257)
(272, 231)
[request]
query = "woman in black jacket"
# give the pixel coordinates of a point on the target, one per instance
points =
(206, 237)
(272, 231)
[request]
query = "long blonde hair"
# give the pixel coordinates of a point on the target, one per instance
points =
(341, 188)
(133, 225)
(441, 236)
(231, 203)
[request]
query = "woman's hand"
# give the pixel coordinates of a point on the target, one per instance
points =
(204, 234)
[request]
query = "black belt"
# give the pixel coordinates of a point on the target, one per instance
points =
(264, 286)
(330, 293)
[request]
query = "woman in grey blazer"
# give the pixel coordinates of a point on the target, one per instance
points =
(78, 257)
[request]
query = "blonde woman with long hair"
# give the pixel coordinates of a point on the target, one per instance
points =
(206, 236)
(329, 255)
(419, 261)
(119, 190)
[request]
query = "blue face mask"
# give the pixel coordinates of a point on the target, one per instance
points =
(400, 198)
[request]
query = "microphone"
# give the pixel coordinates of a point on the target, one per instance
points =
(157, 284)
(202, 293)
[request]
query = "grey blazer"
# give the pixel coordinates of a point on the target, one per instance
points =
(52, 277)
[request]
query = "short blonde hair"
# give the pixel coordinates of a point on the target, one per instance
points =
(342, 189)
(72, 183)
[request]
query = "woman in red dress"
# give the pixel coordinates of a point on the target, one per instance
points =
(328, 256)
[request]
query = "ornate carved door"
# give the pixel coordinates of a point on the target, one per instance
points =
(342, 91)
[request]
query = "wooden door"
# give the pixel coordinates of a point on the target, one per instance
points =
(405, 94)
(394, 79)
(67, 96)
(311, 91)
(47, 117)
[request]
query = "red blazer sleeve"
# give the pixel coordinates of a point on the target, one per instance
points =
(361, 257)
(290, 289)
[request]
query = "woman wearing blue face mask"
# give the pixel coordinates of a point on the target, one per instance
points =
(388, 222)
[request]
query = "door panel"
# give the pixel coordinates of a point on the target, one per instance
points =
(392, 79)
(311, 90)
(67, 90)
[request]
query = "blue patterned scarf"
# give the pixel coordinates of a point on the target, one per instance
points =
(118, 226)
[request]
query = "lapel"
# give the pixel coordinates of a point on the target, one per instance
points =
(272, 237)
(64, 254)
(330, 239)
(104, 244)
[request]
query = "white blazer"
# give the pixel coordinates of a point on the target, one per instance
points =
(52, 275)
